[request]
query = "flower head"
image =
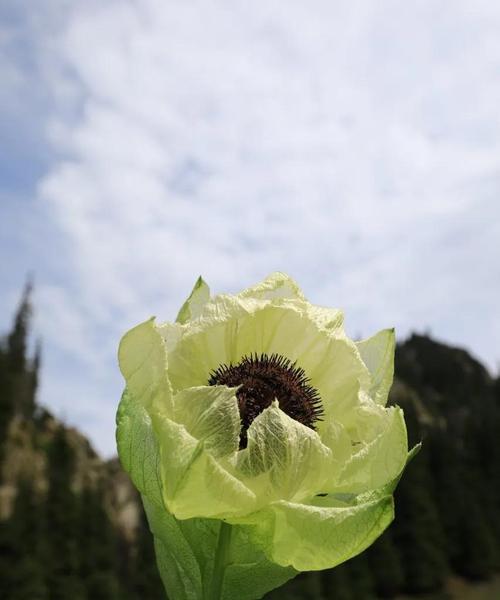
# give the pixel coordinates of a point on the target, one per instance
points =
(260, 411)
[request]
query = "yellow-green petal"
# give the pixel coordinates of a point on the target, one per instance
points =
(193, 306)
(276, 285)
(381, 451)
(284, 459)
(210, 414)
(310, 537)
(245, 326)
(195, 484)
(143, 362)
(377, 353)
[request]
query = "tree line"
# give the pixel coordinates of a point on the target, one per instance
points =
(59, 544)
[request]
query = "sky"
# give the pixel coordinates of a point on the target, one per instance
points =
(353, 144)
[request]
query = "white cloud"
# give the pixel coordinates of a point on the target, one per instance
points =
(355, 146)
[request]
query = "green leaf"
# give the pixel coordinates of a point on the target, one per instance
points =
(413, 452)
(137, 447)
(186, 550)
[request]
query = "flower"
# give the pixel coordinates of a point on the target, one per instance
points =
(256, 409)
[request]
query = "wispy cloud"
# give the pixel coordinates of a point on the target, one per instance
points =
(354, 146)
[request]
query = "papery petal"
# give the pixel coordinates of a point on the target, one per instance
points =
(195, 484)
(287, 459)
(326, 319)
(247, 326)
(377, 353)
(276, 285)
(381, 454)
(309, 537)
(193, 306)
(335, 437)
(211, 415)
(143, 362)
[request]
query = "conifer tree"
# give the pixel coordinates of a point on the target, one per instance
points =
(385, 566)
(22, 570)
(17, 340)
(360, 577)
(418, 532)
(13, 362)
(97, 546)
(306, 586)
(6, 405)
(62, 522)
(336, 584)
(16, 376)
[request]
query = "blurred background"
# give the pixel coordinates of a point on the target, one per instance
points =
(354, 145)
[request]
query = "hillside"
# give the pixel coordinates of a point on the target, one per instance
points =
(72, 526)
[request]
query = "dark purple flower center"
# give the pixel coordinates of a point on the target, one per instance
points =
(263, 379)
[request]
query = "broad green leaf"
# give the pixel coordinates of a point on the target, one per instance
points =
(250, 574)
(137, 447)
(186, 550)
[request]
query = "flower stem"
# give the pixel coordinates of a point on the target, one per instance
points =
(220, 561)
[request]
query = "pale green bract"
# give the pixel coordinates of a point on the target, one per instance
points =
(231, 523)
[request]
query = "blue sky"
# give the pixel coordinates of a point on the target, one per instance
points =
(354, 145)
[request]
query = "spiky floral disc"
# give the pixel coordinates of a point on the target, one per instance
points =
(263, 379)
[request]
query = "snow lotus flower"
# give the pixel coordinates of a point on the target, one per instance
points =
(258, 435)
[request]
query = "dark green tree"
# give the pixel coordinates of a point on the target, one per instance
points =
(18, 373)
(22, 552)
(306, 586)
(336, 584)
(62, 508)
(385, 564)
(17, 340)
(14, 378)
(361, 577)
(97, 546)
(6, 404)
(418, 532)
